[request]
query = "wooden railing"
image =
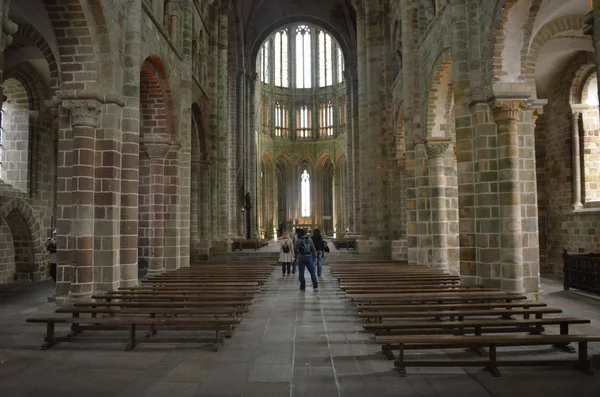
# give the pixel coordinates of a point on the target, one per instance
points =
(582, 271)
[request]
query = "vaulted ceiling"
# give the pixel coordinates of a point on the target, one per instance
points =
(262, 17)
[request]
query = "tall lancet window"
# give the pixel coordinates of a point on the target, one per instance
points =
(325, 61)
(281, 59)
(264, 63)
(303, 57)
(327, 119)
(303, 126)
(340, 61)
(305, 188)
(281, 120)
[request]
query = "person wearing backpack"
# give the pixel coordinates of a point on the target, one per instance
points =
(306, 254)
(318, 241)
(286, 254)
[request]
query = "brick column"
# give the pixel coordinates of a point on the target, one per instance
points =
(157, 146)
(436, 151)
(362, 148)
(506, 116)
(577, 204)
(80, 241)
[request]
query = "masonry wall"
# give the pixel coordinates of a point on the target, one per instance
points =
(578, 232)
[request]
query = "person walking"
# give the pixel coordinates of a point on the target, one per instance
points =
(306, 255)
(317, 239)
(286, 253)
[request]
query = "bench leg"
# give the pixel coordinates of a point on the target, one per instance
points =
(492, 365)
(481, 351)
(399, 364)
(584, 364)
(75, 329)
(131, 343)
(218, 341)
(564, 330)
(49, 340)
(387, 351)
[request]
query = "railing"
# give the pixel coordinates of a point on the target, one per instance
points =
(582, 271)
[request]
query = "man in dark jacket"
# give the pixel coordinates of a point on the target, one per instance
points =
(306, 254)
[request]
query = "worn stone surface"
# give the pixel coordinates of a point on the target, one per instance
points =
(291, 343)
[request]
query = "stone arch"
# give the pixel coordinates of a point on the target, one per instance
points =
(571, 23)
(37, 90)
(440, 101)
(16, 135)
(580, 80)
(305, 162)
(25, 234)
(156, 99)
(502, 21)
(28, 36)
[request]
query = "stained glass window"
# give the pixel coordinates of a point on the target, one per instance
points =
(305, 188)
(303, 57)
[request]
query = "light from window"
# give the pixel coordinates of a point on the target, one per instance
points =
(281, 59)
(281, 120)
(592, 92)
(340, 70)
(305, 188)
(304, 124)
(264, 63)
(325, 62)
(303, 57)
(327, 119)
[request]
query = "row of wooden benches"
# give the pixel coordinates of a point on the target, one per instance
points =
(254, 244)
(205, 297)
(413, 307)
(340, 243)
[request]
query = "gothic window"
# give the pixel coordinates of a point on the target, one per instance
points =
(590, 140)
(327, 119)
(303, 57)
(304, 125)
(281, 59)
(264, 63)
(325, 61)
(281, 120)
(305, 189)
(340, 65)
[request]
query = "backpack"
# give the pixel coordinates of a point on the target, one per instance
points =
(305, 247)
(286, 247)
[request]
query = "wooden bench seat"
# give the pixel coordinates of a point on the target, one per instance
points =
(164, 304)
(131, 297)
(459, 314)
(170, 288)
(491, 342)
(396, 284)
(137, 291)
(433, 297)
(216, 324)
(153, 311)
(450, 306)
(403, 290)
(478, 326)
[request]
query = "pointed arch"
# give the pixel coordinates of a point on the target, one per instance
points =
(157, 96)
(441, 100)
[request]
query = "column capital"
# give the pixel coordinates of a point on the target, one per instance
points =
(508, 109)
(84, 112)
(437, 147)
(156, 145)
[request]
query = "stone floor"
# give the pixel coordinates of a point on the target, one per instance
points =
(292, 343)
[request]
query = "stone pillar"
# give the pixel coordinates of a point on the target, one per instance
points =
(591, 27)
(157, 147)
(130, 159)
(171, 201)
(362, 152)
(194, 211)
(577, 204)
(436, 151)
(204, 209)
(80, 241)
(506, 116)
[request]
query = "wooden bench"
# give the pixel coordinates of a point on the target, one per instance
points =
(459, 314)
(406, 290)
(200, 292)
(236, 304)
(217, 324)
(174, 297)
(451, 306)
(434, 297)
(491, 342)
(340, 243)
